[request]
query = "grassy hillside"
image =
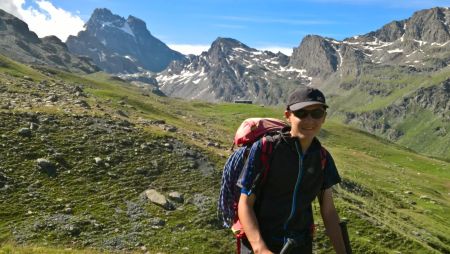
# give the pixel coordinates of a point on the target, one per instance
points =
(376, 98)
(107, 142)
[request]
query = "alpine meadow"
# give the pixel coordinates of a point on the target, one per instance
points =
(115, 143)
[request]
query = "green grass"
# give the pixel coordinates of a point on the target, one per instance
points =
(18, 70)
(420, 129)
(13, 249)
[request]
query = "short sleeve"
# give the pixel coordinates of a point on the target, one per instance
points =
(331, 175)
(249, 175)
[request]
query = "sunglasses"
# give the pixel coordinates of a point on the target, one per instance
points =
(315, 113)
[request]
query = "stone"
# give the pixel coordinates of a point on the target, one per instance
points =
(176, 196)
(122, 113)
(98, 160)
(170, 128)
(158, 199)
(83, 104)
(24, 132)
(157, 222)
(46, 166)
(52, 98)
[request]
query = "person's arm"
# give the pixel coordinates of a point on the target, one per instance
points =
(249, 222)
(331, 221)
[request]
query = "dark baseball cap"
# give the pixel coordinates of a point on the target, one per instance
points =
(305, 96)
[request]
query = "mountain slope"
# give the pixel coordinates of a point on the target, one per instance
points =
(121, 46)
(19, 43)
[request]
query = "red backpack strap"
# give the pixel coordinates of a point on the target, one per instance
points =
(266, 151)
(323, 157)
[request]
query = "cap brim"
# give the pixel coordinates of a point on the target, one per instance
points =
(301, 105)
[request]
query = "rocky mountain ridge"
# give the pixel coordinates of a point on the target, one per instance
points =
(120, 45)
(229, 71)
(411, 42)
(420, 43)
(19, 43)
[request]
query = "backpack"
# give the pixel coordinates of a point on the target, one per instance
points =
(250, 131)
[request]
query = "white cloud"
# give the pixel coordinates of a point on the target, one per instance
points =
(45, 19)
(189, 48)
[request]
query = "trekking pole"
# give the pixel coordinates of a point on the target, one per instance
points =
(288, 246)
(345, 237)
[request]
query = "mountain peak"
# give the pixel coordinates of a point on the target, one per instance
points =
(137, 24)
(102, 16)
(430, 25)
(229, 42)
(120, 45)
(315, 54)
(225, 45)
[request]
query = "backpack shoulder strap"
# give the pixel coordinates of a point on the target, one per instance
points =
(323, 157)
(268, 145)
(323, 163)
(266, 150)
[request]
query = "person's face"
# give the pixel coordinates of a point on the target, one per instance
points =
(306, 122)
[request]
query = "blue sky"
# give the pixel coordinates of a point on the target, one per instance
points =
(192, 25)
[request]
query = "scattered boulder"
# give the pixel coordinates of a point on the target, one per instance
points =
(176, 196)
(98, 161)
(156, 122)
(24, 132)
(170, 128)
(425, 197)
(157, 223)
(83, 104)
(46, 166)
(122, 113)
(52, 98)
(3, 180)
(213, 144)
(158, 199)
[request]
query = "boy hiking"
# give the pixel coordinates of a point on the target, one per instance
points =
(275, 209)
